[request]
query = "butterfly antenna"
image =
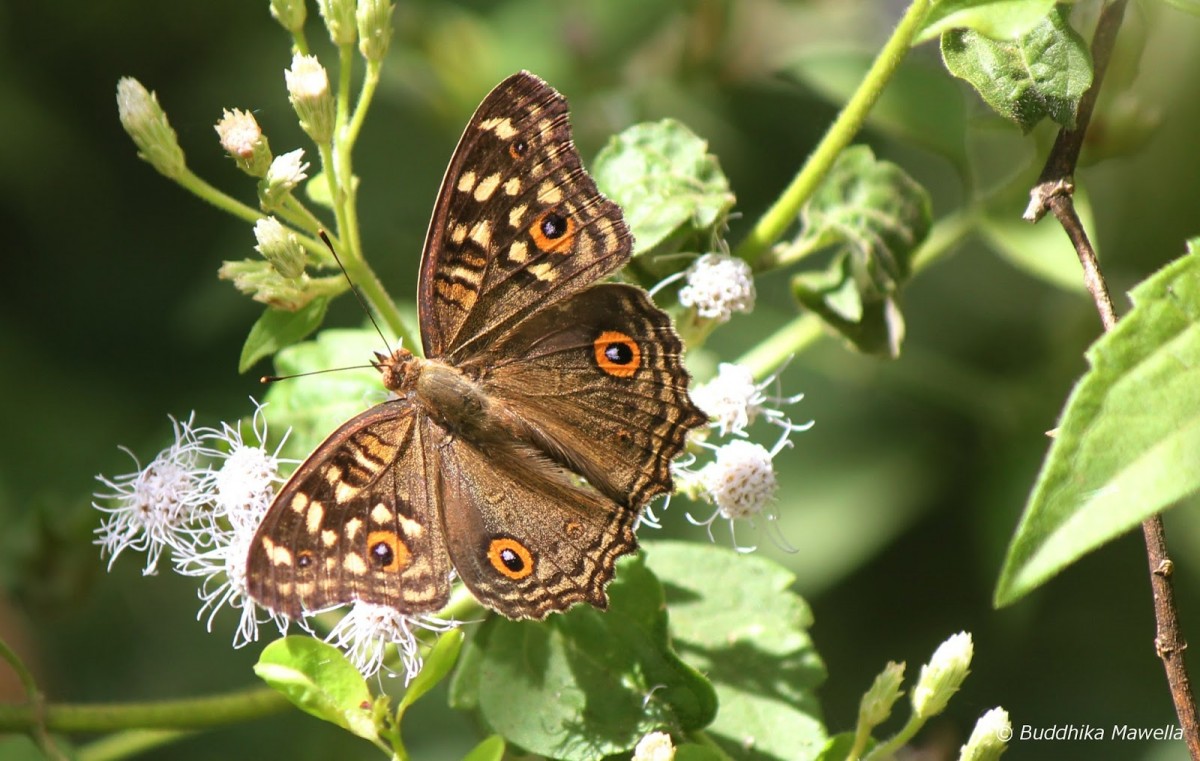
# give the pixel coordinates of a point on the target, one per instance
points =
(275, 378)
(354, 289)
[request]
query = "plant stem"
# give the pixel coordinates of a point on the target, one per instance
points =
(130, 743)
(191, 713)
(888, 748)
(1053, 193)
(217, 198)
(775, 222)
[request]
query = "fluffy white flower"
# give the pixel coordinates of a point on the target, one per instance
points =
(655, 746)
(366, 631)
(717, 286)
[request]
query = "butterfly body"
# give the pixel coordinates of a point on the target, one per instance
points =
(547, 409)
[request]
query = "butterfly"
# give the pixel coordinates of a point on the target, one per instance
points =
(519, 452)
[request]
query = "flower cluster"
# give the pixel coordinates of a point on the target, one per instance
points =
(200, 501)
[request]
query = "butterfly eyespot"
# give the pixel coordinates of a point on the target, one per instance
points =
(553, 233)
(510, 558)
(387, 551)
(304, 559)
(518, 148)
(617, 354)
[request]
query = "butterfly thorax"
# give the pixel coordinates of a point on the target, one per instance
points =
(455, 401)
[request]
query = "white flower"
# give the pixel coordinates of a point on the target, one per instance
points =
(734, 401)
(741, 480)
(154, 503)
(655, 746)
(717, 286)
(239, 133)
(989, 738)
(280, 247)
(366, 631)
(943, 675)
(308, 90)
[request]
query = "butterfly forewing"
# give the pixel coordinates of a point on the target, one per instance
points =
(356, 522)
(518, 225)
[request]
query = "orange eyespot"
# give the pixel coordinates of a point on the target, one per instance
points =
(510, 558)
(304, 559)
(518, 148)
(553, 233)
(617, 354)
(387, 552)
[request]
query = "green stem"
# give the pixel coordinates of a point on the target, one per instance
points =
(889, 747)
(191, 713)
(345, 70)
(300, 41)
(775, 222)
(130, 743)
(217, 198)
(370, 82)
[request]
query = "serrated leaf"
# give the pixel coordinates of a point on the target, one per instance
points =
(561, 688)
(491, 749)
(920, 104)
(1041, 250)
(1042, 73)
(672, 189)
(437, 664)
(758, 656)
(1128, 441)
(278, 328)
(873, 216)
(994, 19)
(318, 680)
(313, 406)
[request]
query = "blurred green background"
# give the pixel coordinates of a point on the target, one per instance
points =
(899, 501)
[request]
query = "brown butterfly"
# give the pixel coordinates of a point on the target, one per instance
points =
(546, 413)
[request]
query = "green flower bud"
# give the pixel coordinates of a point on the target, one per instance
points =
(259, 280)
(990, 737)
(280, 247)
(339, 20)
(290, 14)
(308, 90)
(876, 704)
(147, 124)
(374, 28)
(943, 675)
(242, 138)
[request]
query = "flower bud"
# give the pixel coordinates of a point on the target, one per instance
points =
(259, 280)
(290, 14)
(339, 20)
(989, 738)
(308, 90)
(943, 675)
(284, 175)
(876, 704)
(147, 124)
(280, 247)
(655, 746)
(242, 138)
(374, 19)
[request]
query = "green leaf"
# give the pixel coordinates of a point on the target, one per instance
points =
(920, 104)
(586, 683)
(491, 749)
(313, 406)
(1041, 250)
(1042, 73)
(1128, 441)
(673, 191)
(317, 190)
(278, 328)
(1187, 6)
(733, 618)
(873, 216)
(693, 752)
(437, 664)
(318, 679)
(838, 748)
(994, 19)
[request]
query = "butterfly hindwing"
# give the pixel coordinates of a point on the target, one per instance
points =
(357, 521)
(599, 377)
(518, 225)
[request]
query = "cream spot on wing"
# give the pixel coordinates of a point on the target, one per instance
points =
(352, 527)
(409, 527)
(516, 214)
(300, 502)
(284, 588)
(518, 251)
(513, 186)
(381, 513)
(354, 564)
(466, 182)
(502, 126)
(328, 538)
(316, 513)
(276, 554)
(330, 563)
(550, 194)
(484, 190)
(543, 272)
(482, 233)
(458, 233)
(306, 588)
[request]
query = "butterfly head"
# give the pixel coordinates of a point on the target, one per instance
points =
(395, 368)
